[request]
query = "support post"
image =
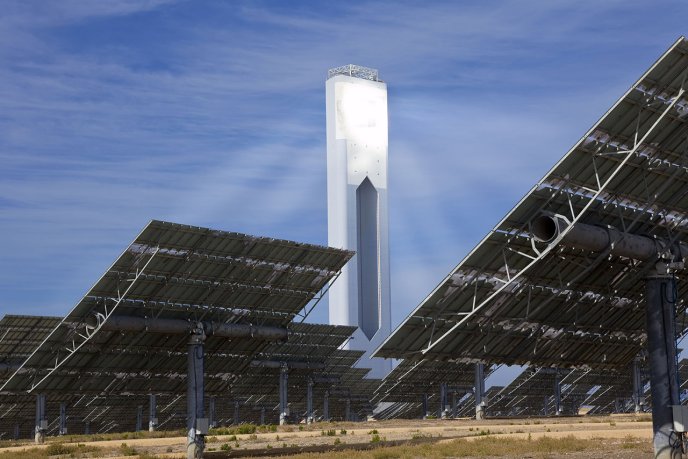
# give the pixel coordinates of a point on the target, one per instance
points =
(557, 394)
(211, 412)
(87, 427)
(442, 414)
(660, 294)
(479, 391)
(139, 418)
(545, 405)
(326, 406)
(284, 404)
(262, 416)
(425, 406)
(347, 409)
(152, 413)
(637, 387)
(309, 401)
(454, 405)
(236, 419)
(16, 431)
(62, 429)
(197, 423)
(41, 420)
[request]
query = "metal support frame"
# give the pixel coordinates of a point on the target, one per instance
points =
(309, 401)
(82, 335)
(454, 405)
(211, 413)
(479, 391)
(41, 419)
(62, 428)
(152, 413)
(637, 387)
(425, 406)
(262, 415)
(442, 413)
(347, 409)
(557, 394)
(87, 427)
(197, 424)
(139, 418)
(535, 255)
(326, 406)
(284, 403)
(16, 431)
(660, 294)
(236, 419)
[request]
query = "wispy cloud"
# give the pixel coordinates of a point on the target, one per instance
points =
(113, 113)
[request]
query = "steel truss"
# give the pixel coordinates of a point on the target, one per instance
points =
(511, 276)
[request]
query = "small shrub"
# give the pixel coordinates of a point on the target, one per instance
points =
(127, 450)
(55, 449)
(375, 439)
(246, 429)
(337, 441)
(225, 447)
(342, 432)
(373, 432)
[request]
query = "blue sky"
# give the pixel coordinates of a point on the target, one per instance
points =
(212, 114)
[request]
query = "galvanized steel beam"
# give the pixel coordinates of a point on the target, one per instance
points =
(181, 326)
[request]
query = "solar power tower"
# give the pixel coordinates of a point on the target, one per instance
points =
(357, 207)
(582, 271)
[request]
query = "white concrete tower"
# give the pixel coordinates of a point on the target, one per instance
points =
(356, 107)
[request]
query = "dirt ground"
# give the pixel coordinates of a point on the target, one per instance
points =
(610, 437)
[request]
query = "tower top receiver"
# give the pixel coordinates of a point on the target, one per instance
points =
(356, 71)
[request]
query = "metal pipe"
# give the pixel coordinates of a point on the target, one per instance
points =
(290, 365)
(637, 387)
(309, 401)
(139, 418)
(442, 414)
(660, 291)
(62, 428)
(194, 398)
(557, 394)
(236, 413)
(211, 412)
(284, 404)
(479, 391)
(41, 421)
(546, 228)
(152, 413)
(181, 326)
(326, 406)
